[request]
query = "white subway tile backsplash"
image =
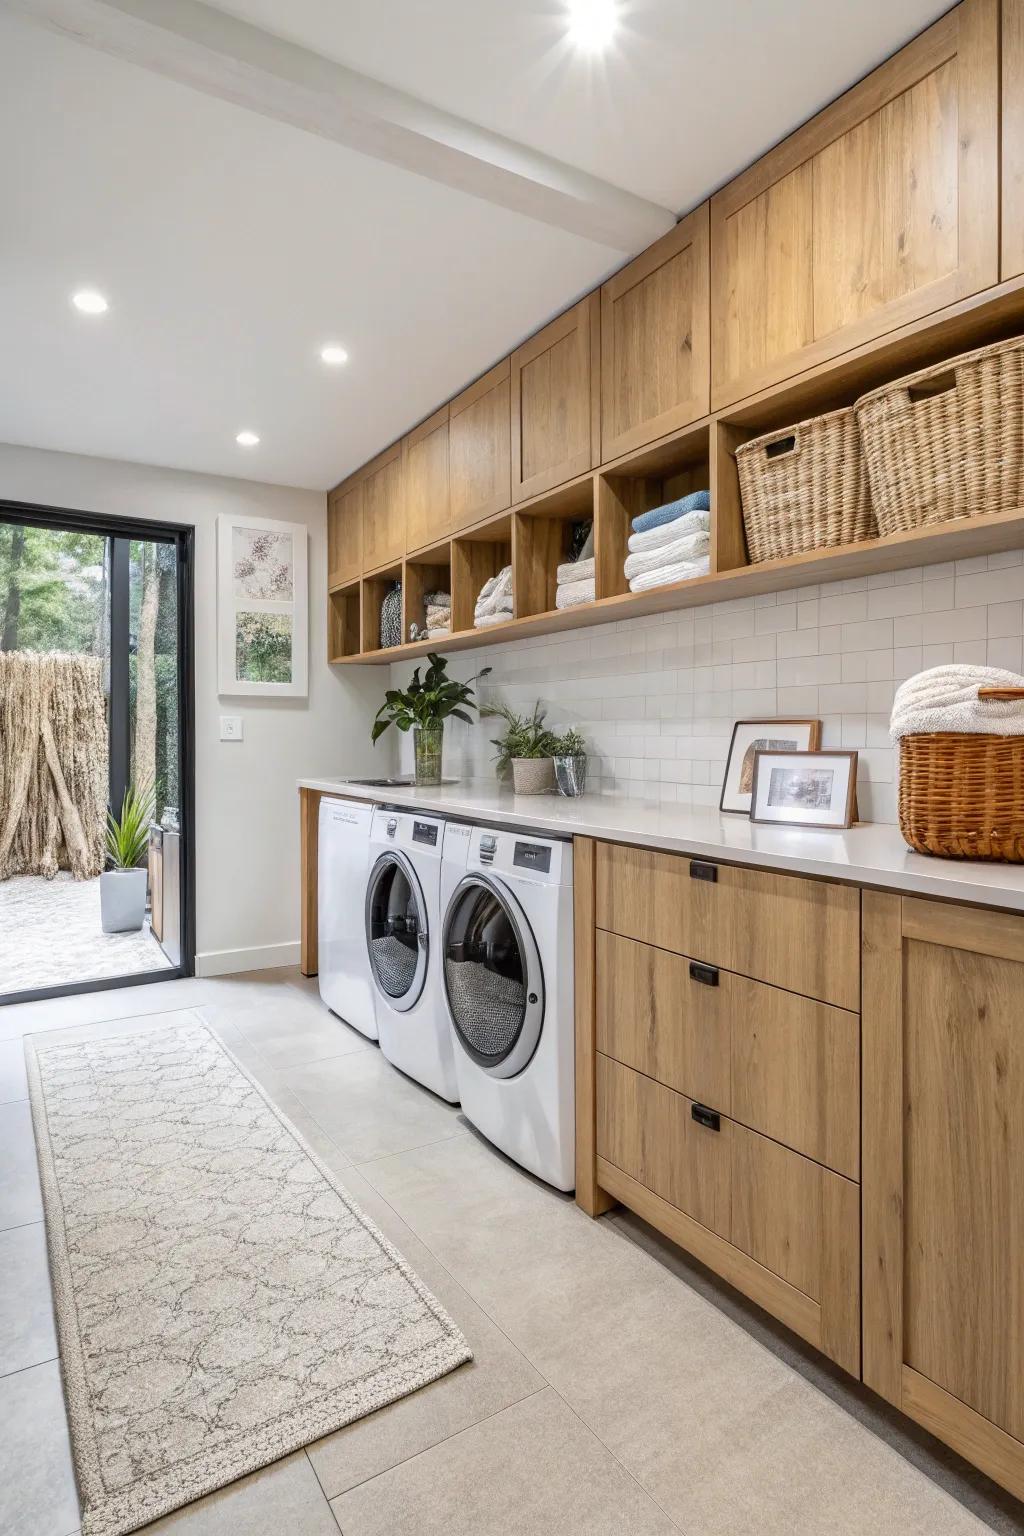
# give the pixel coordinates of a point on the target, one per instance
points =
(657, 697)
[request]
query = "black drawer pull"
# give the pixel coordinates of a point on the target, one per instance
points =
(707, 975)
(700, 871)
(710, 1119)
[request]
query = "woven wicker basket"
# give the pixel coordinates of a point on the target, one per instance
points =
(962, 797)
(805, 488)
(949, 441)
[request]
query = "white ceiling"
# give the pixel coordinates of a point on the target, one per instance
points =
(232, 245)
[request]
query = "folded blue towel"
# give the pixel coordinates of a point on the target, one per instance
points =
(697, 501)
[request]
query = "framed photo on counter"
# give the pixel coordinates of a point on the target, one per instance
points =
(805, 789)
(752, 736)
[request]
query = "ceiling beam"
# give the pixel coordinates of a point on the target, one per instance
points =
(210, 51)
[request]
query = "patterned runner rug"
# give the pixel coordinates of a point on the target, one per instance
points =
(220, 1299)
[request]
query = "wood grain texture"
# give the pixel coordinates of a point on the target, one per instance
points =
(728, 540)
(981, 1442)
(418, 578)
(553, 378)
(425, 476)
(589, 1196)
(345, 533)
(480, 450)
(793, 932)
(1012, 198)
(841, 1272)
(776, 1209)
(383, 510)
(984, 932)
(539, 546)
(473, 563)
(309, 833)
(344, 634)
(655, 339)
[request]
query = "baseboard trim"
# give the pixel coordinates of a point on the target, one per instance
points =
(222, 962)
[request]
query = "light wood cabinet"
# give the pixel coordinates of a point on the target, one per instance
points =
(943, 1191)
(427, 505)
(479, 449)
(383, 510)
(345, 533)
(883, 208)
(655, 338)
(554, 401)
(1012, 127)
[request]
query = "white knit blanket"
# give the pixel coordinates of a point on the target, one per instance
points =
(485, 620)
(946, 699)
(496, 595)
(685, 570)
(569, 594)
(577, 570)
(680, 551)
(668, 533)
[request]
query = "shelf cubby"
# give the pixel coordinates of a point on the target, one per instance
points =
(375, 589)
(476, 556)
(542, 534)
(428, 571)
(644, 480)
(344, 635)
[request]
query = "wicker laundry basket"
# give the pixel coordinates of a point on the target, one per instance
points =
(961, 796)
(805, 488)
(948, 441)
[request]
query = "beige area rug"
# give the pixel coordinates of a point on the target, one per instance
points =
(220, 1300)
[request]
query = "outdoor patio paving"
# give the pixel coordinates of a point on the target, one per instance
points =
(50, 935)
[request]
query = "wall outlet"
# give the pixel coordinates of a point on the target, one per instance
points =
(230, 727)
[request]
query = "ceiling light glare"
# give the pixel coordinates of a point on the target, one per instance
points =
(89, 302)
(593, 23)
(334, 355)
(247, 439)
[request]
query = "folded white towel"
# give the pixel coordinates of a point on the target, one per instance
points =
(678, 553)
(439, 632)
(496, 596)
(685, 570)
(576, 570)
(946, 699)
(668, 533)
(570, 593)
(485, 620)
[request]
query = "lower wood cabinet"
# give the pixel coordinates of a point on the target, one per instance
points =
(943, 1130)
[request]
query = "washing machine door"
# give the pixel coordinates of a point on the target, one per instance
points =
(397, 939)
(493, 982)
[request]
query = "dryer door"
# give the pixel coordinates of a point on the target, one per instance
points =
(493, 981)
(397, 940)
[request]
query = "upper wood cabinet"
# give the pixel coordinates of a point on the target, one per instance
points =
(655, 338)
(345, 532)
(1013, 139)
(555, 424)
(943, 1196)
(383, 510)
(883, 208)
(427, 510)
(479, 449)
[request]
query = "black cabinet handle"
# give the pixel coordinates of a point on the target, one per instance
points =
(707, 975)
(710, 1119)
(699, 871)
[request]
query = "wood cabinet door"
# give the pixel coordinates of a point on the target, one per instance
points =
(883, 208)
(427, 510)
(554, 393)
(1013, 139)
(479, 449)
(383, 510)
(655, 339)
(345, 533)
(943, 1173)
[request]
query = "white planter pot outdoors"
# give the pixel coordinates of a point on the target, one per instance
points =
(123, 899)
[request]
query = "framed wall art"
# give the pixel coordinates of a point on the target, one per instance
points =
(752, 736)
(805, 789)
(262, 607)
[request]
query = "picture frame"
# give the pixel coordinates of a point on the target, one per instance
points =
(262, 607)
(805, 789)
(751, 736)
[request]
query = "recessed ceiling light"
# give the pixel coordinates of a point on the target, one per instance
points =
(248, 439)
(334, 354)
(89, 301)
(593, 23)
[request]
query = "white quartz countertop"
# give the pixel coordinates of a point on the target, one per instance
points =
(872, 854)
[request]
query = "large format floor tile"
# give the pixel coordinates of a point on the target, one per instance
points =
(288, 1030)
(27, 1335)
(283, 1500)
(13, 1082)
(37, 1484)
(533, 1470)
(20, 1197)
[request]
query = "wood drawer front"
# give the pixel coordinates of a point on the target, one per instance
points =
(779, 1063)
(793, 932)
(647, 1130)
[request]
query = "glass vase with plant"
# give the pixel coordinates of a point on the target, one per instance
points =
(423, 707)
(526, 747)
(571, 763)
(123, 885)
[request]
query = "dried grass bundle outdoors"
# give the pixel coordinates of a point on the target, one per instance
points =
(53, 764)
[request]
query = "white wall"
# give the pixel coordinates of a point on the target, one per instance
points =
(247, 837)
(657, 697)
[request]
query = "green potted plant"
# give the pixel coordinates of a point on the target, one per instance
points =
(423, 708)
(527, 747)
(123, 885)
(571, 763)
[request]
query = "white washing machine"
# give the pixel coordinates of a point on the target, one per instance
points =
(403, 926)
(508, 985)
(343, 855)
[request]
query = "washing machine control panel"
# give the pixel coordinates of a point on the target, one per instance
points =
(425, 832)
(488, 846)
(392, 826)
(533, 856)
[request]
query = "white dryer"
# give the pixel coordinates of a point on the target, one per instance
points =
(403, 925)
(508, 985)
(343, 851)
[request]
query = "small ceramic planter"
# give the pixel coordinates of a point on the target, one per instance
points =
(123, 900)
(533, 775)
(571, 775)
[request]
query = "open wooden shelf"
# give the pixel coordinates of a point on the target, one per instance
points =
(344, 635)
